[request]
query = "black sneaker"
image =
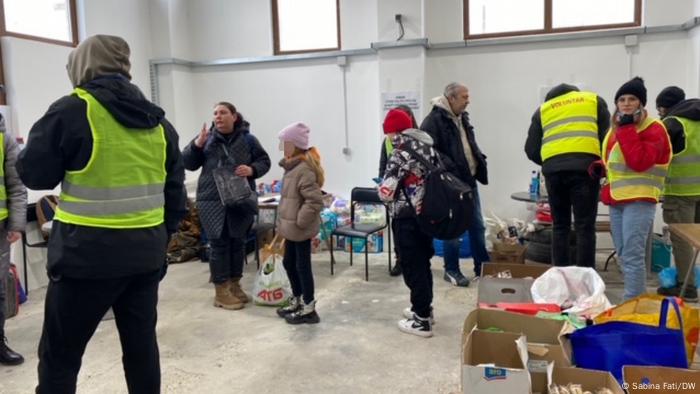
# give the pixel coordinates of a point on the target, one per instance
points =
(396, 269)
(456, 278)
(690, 294)
(416, 326)
(293, 305)
(305, 315)
(674, 291)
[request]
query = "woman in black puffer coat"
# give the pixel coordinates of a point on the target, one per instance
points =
(227, 143)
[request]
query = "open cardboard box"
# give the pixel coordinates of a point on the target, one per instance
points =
(543, 338)
(494, 362)
(645, 379)
(515, 289)
(590, 380)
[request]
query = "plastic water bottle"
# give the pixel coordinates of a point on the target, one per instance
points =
(534, 185)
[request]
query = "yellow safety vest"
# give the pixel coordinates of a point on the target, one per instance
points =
(570, 125)
(683, 177)
(626, 183)
(122, 184)
(3, 192)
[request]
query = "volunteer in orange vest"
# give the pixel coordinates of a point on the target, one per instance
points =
(636, 154)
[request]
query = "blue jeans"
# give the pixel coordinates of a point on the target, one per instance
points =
(630, 225)
(477, 240)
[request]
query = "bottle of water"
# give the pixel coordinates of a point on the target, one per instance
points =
(534, 185)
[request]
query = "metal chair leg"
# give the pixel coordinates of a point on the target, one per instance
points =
(346, 240)
(331, 250)
(366, 259)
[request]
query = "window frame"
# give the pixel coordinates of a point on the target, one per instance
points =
(276, 33)
(548, 29)
(73, 12)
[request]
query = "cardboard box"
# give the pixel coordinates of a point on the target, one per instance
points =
(653, 380)
(543, 335)
(515, 289)
(507, 253)
(494, 362)
(516, 270)
(589, 380)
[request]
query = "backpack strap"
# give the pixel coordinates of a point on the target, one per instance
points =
(430, 166)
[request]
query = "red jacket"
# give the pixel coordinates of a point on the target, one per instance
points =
(641, 150)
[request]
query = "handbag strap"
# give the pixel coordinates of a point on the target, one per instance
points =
(664, 312)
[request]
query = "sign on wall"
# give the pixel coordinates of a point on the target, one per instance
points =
(410, 98)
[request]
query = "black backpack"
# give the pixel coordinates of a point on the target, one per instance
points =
(448, 204)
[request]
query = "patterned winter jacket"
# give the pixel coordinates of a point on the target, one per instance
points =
(404, 173)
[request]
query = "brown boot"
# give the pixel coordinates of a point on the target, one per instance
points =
(224, 298)
(237, 291)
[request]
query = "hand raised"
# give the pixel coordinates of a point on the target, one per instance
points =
(202, 137)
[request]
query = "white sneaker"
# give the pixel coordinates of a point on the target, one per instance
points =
(416, 326)
(408, 314)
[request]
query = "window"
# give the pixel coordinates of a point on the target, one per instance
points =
(305, 25)
(43, 20)
(497, 18)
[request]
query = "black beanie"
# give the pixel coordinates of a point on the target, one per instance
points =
(636, 88)
(670, 96)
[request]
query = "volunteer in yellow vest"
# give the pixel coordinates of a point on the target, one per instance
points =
(13, 214)
(387, 150)
(636, 154)
(682, 190)
(118, 162)
(564, 138)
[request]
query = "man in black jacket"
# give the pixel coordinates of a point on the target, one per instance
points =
(565, 142)
(448, 124)
(107, 249)
(682, 190)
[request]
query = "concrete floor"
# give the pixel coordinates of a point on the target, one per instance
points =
(356, 348)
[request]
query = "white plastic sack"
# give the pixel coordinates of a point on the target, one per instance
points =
(577, 290)
(271, 283)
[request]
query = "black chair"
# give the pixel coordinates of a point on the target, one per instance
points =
(362, 195)
(41, 212)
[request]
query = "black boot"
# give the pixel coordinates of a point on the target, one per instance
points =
(396, 269)
(293, 305)
(8, 356)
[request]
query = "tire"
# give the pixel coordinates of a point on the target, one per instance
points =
(543, 236)
(539, 252)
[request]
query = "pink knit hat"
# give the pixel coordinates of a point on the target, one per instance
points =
(296, 133)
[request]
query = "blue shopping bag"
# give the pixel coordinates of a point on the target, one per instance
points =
(612, 345)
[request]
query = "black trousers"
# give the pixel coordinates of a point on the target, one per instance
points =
(227, 256)
(74, 308)
(2, 303)
(578, 191)
(416, 250)
(297, 263)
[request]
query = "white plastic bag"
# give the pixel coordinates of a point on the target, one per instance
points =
(577, 290)
(271, 286)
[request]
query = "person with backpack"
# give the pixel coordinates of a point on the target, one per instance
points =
(298, 219)
(402, 188)
(386, 151)
(448, 124)
(118, 162)
(13, 219)
(229, 146)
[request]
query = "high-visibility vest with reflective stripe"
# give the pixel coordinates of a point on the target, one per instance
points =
(570, 125)
(626, 183)
(3, 192)
(683, 177)
(122, 184)
(388, 146)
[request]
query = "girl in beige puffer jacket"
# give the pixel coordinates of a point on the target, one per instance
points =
(298, 219)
